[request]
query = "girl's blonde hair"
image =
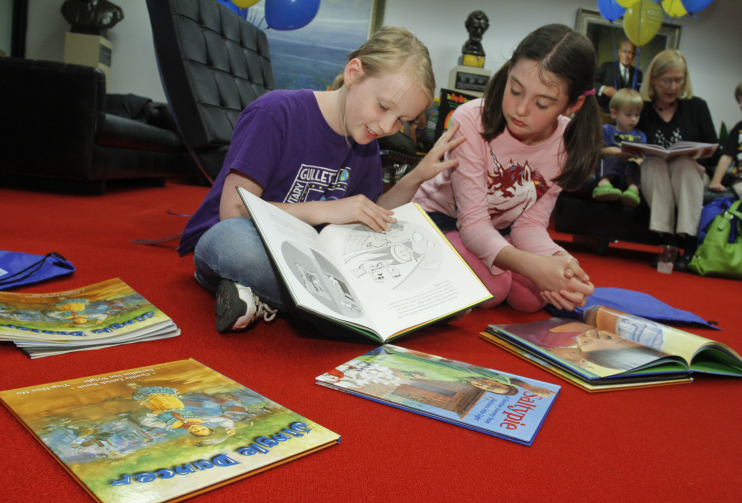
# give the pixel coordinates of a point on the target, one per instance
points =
(665, 61)
(389, 50)
(738, 92)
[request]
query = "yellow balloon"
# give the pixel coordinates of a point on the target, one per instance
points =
(642, 21)
(244, 4)
(674, 8)
(626, 3)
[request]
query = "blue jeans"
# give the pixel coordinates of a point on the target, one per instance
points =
(232, 249)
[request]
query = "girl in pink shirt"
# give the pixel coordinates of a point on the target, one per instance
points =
(520, 151)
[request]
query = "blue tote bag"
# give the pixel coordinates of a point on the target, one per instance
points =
(20, 269)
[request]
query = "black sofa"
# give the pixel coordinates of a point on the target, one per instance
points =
(596, 225)
(57, 133)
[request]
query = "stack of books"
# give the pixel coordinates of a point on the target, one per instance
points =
(93, 317)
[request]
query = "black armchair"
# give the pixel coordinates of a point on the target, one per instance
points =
(57, 132)
(213, 64)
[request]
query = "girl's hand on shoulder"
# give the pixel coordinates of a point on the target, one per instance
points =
(358, 209)
(431, 164)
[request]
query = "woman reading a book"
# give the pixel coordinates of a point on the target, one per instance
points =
(673, 114)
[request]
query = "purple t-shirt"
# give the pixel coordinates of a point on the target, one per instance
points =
(283, 142)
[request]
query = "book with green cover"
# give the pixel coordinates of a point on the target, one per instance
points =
(91, 317)
(165, 432)
(607, 349)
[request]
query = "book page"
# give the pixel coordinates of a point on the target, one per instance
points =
(692, 149)
(305, 264)
(646, 332)
(407, 276)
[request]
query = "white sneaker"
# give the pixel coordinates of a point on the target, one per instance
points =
(237, 307)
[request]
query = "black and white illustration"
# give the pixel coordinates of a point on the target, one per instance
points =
(322, 279)
(402, 258)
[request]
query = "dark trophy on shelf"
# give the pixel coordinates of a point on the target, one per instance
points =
(91, 17)
(476, 24)
(469, 76)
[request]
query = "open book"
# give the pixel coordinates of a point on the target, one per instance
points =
(485, 400)
(382, 284)
(691, 149)
(165, 432)
(608, 350)
(96, 316)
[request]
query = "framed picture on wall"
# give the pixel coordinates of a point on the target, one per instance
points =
(312, 56)
(603, 33)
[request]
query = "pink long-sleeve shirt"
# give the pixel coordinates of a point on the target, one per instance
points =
(496, 185)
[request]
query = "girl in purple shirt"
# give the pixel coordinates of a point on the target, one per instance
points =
(314, 155)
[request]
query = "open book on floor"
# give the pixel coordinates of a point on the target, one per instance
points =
(160, 433)
(691, 149)
(96, 316)
(485, 400)
(609, 350)
(381, 284)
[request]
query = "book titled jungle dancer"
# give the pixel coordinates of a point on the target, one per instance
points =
(381, 284)
(162, 433)
(485, 400)
(610, 350)
(92, 317)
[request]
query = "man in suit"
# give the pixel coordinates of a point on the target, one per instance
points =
(615, 75)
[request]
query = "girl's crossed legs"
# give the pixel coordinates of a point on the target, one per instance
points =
(520, 292)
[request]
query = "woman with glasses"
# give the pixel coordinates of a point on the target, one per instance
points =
(671, 114)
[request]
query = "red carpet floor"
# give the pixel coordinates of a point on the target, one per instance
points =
(677, 443)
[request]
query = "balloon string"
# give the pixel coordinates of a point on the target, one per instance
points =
(638, 64)
(615, 57)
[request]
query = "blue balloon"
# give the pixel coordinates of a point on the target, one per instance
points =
(290, 14)
(610, 9)
(693, 6)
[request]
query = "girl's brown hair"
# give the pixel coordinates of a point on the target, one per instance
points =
(570, 57)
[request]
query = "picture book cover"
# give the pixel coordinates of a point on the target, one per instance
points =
(608, 347)
(162, 433)
(99, 315)
(485, 400)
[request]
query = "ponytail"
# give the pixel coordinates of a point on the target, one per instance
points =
(493, 121)
(583, 140)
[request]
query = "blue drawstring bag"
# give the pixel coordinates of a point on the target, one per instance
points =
(20, 269)
(636, 303)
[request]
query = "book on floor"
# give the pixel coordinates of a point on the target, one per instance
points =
(608, 350)
(381, 284)
(691, 149)
(160, 433)
(96, 316)
(485, 400)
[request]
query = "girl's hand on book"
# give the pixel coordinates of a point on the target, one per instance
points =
(358, 209)
(431, 164)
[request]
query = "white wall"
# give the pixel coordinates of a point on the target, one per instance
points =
(6, 17)
(711, 42)
(133, 62)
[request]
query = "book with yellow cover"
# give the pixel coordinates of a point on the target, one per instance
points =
(162, 433)
(91, 317)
